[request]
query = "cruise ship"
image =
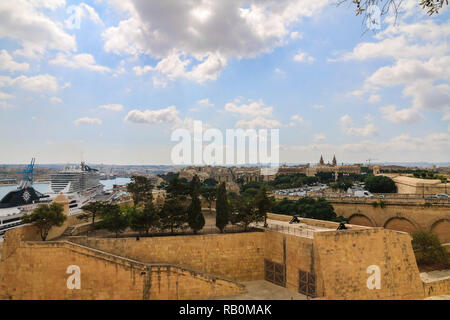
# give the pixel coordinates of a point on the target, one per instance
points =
(24, 199)
(79, 183)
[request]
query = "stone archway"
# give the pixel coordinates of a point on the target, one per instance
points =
(400, 224)
(441, 228)
(361, 220)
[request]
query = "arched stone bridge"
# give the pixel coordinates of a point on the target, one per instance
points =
(397, 214)
(407, 217)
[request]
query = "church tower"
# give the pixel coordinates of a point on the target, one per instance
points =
(334, 160)
(321, 161)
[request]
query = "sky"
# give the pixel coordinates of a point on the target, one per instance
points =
(109, 81)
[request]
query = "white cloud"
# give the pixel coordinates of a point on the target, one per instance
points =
(303, 57)
(319, 137)
(24, 22)
(5, 105)
(374, 98)
(297, 118)
(434, 147)
(250, 110)
(348, 127)
(204, 35)
(78, 61)
(79, 13)
(87, 120)
(318, 106)
(7, 63)
(205, 103)
(55, 100)
(258, 122)
(279, 71)
(296, 35)
(112, 107)
(160, 116)
(39, 83)
(392, 114)
(5, 96)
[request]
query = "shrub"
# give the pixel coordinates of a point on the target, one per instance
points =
(428, 249)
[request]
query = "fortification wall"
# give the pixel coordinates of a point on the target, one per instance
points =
(103, 276)
(236, 256)
(406, 218)
(437, 287)
(342, 259)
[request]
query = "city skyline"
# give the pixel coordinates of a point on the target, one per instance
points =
(108, 81)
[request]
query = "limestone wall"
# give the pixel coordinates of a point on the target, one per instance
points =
(236, 256)
(405, 217)
(103, 276)
(342, 259)
(437, 287)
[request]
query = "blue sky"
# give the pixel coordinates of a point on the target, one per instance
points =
(114, 87)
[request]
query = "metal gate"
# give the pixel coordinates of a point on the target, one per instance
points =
(275, 272)
(307, 283)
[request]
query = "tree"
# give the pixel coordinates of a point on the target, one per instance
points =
(222, 208)
(363, 7)
(210, 195)
(113, 219)
(307, 207)
(177, 188)
(142, 220)
(246, 213)
(263, 203)
(94, 208)
(140, 188)
(45, 217)
(172, 214)
(194, 213)
(380, 184)
(428, 249)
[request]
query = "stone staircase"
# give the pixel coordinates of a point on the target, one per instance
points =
(68, 231)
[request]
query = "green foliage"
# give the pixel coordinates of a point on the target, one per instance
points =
(195, 217)
(45, 217)
(428, 249)
(428, 204)
(95, 209)
(245, 212)
(222, 207)
(209, 182)
(209, 194)
(140, 188)
(263, 203)
(142, 220)
(113, 219)
(382, 204)
(307, 207)
(172, 215)
(380, 184)
(178, 188)
(374, 204)
(341, 185)
(292, 181)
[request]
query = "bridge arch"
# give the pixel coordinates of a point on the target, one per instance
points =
(400, 223)
(361, 219)
(441, 228)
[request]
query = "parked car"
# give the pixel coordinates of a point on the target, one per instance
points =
(382, 196)
(442, 196)
(363, 194)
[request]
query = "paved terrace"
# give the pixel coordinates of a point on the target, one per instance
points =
(306, 228)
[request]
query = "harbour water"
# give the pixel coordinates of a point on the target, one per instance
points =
(45, 187)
